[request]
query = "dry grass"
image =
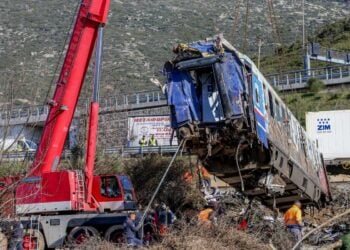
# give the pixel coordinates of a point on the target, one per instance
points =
(146, 173)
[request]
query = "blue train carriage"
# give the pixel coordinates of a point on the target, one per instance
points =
(232, 118)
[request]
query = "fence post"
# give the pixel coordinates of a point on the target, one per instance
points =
(340, 72)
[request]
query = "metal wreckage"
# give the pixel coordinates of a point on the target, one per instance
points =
(233, 119)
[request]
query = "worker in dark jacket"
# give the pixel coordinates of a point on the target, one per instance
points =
(130, 230)
(16, 242)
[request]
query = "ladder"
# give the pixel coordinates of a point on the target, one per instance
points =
(34, 230)
(79, 190)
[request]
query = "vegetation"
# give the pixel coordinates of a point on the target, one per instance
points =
(300, 103)
(290, 57)
(315, 85)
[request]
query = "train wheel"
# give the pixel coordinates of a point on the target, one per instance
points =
(79, 235)
(33, 240)
(115, 234)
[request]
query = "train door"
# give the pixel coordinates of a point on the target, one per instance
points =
(259, 109)
(210, 101)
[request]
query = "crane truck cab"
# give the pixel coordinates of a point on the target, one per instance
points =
(114, 193)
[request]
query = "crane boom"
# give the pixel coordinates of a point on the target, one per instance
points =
(91, 15)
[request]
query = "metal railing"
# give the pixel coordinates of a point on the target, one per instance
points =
(132, 101)
(298, 79)
(121, 151)
(328, 54)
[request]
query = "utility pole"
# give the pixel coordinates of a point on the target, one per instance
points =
(259, 51)
(303, 10)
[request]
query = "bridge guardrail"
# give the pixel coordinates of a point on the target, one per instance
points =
(315, 50)
(122, 151)
(109, 102)
(301, 77)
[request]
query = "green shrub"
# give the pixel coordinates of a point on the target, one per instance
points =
(315, 85)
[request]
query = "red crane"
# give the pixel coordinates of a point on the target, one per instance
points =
(58, 195)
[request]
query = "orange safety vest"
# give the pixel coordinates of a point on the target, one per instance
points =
(188, 177)
(204, 215)
(204, 172)
(293, 216)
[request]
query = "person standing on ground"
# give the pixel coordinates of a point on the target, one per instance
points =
(205, 176)
(130, 230)
(293, 220)
(16, 242)
(166, 218)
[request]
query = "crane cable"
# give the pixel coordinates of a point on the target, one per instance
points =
(182, 143)
(237, 163)
(236, 14)
(245, 39)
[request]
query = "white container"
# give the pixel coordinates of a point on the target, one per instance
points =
(331, 132)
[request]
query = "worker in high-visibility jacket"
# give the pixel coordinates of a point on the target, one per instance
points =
(143, 141)
(293, 220)
(204, 174)
(152, 141)
(207, 216)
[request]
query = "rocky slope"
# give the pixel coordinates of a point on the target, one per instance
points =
(139, 37)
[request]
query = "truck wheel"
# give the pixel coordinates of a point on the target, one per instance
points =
(33, 239)
(79, 235)
(3, 241)
(115, 234)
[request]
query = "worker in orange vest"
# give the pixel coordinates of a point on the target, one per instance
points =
(293, 220)
(188, 176)
(204, 174)
(207, 215)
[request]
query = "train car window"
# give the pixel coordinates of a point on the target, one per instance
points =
(256, 92)
(295, 133)
(110, 187)
(278, 111)
(283, 114)
(304, 183)
(272, 113)
(264, 88)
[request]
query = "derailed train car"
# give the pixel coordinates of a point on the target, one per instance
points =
(233, 119)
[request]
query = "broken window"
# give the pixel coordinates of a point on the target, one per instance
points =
(304, 183)
(272, 113)
(278, 111)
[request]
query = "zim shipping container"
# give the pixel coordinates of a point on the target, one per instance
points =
(331, 132)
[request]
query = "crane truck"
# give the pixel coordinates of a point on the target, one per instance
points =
(56, 206)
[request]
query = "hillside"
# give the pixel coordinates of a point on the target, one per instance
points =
(335, 35)
(139, 37)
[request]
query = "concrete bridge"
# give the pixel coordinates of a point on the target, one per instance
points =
(37, 114)
(113, 122)
(293, 80)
